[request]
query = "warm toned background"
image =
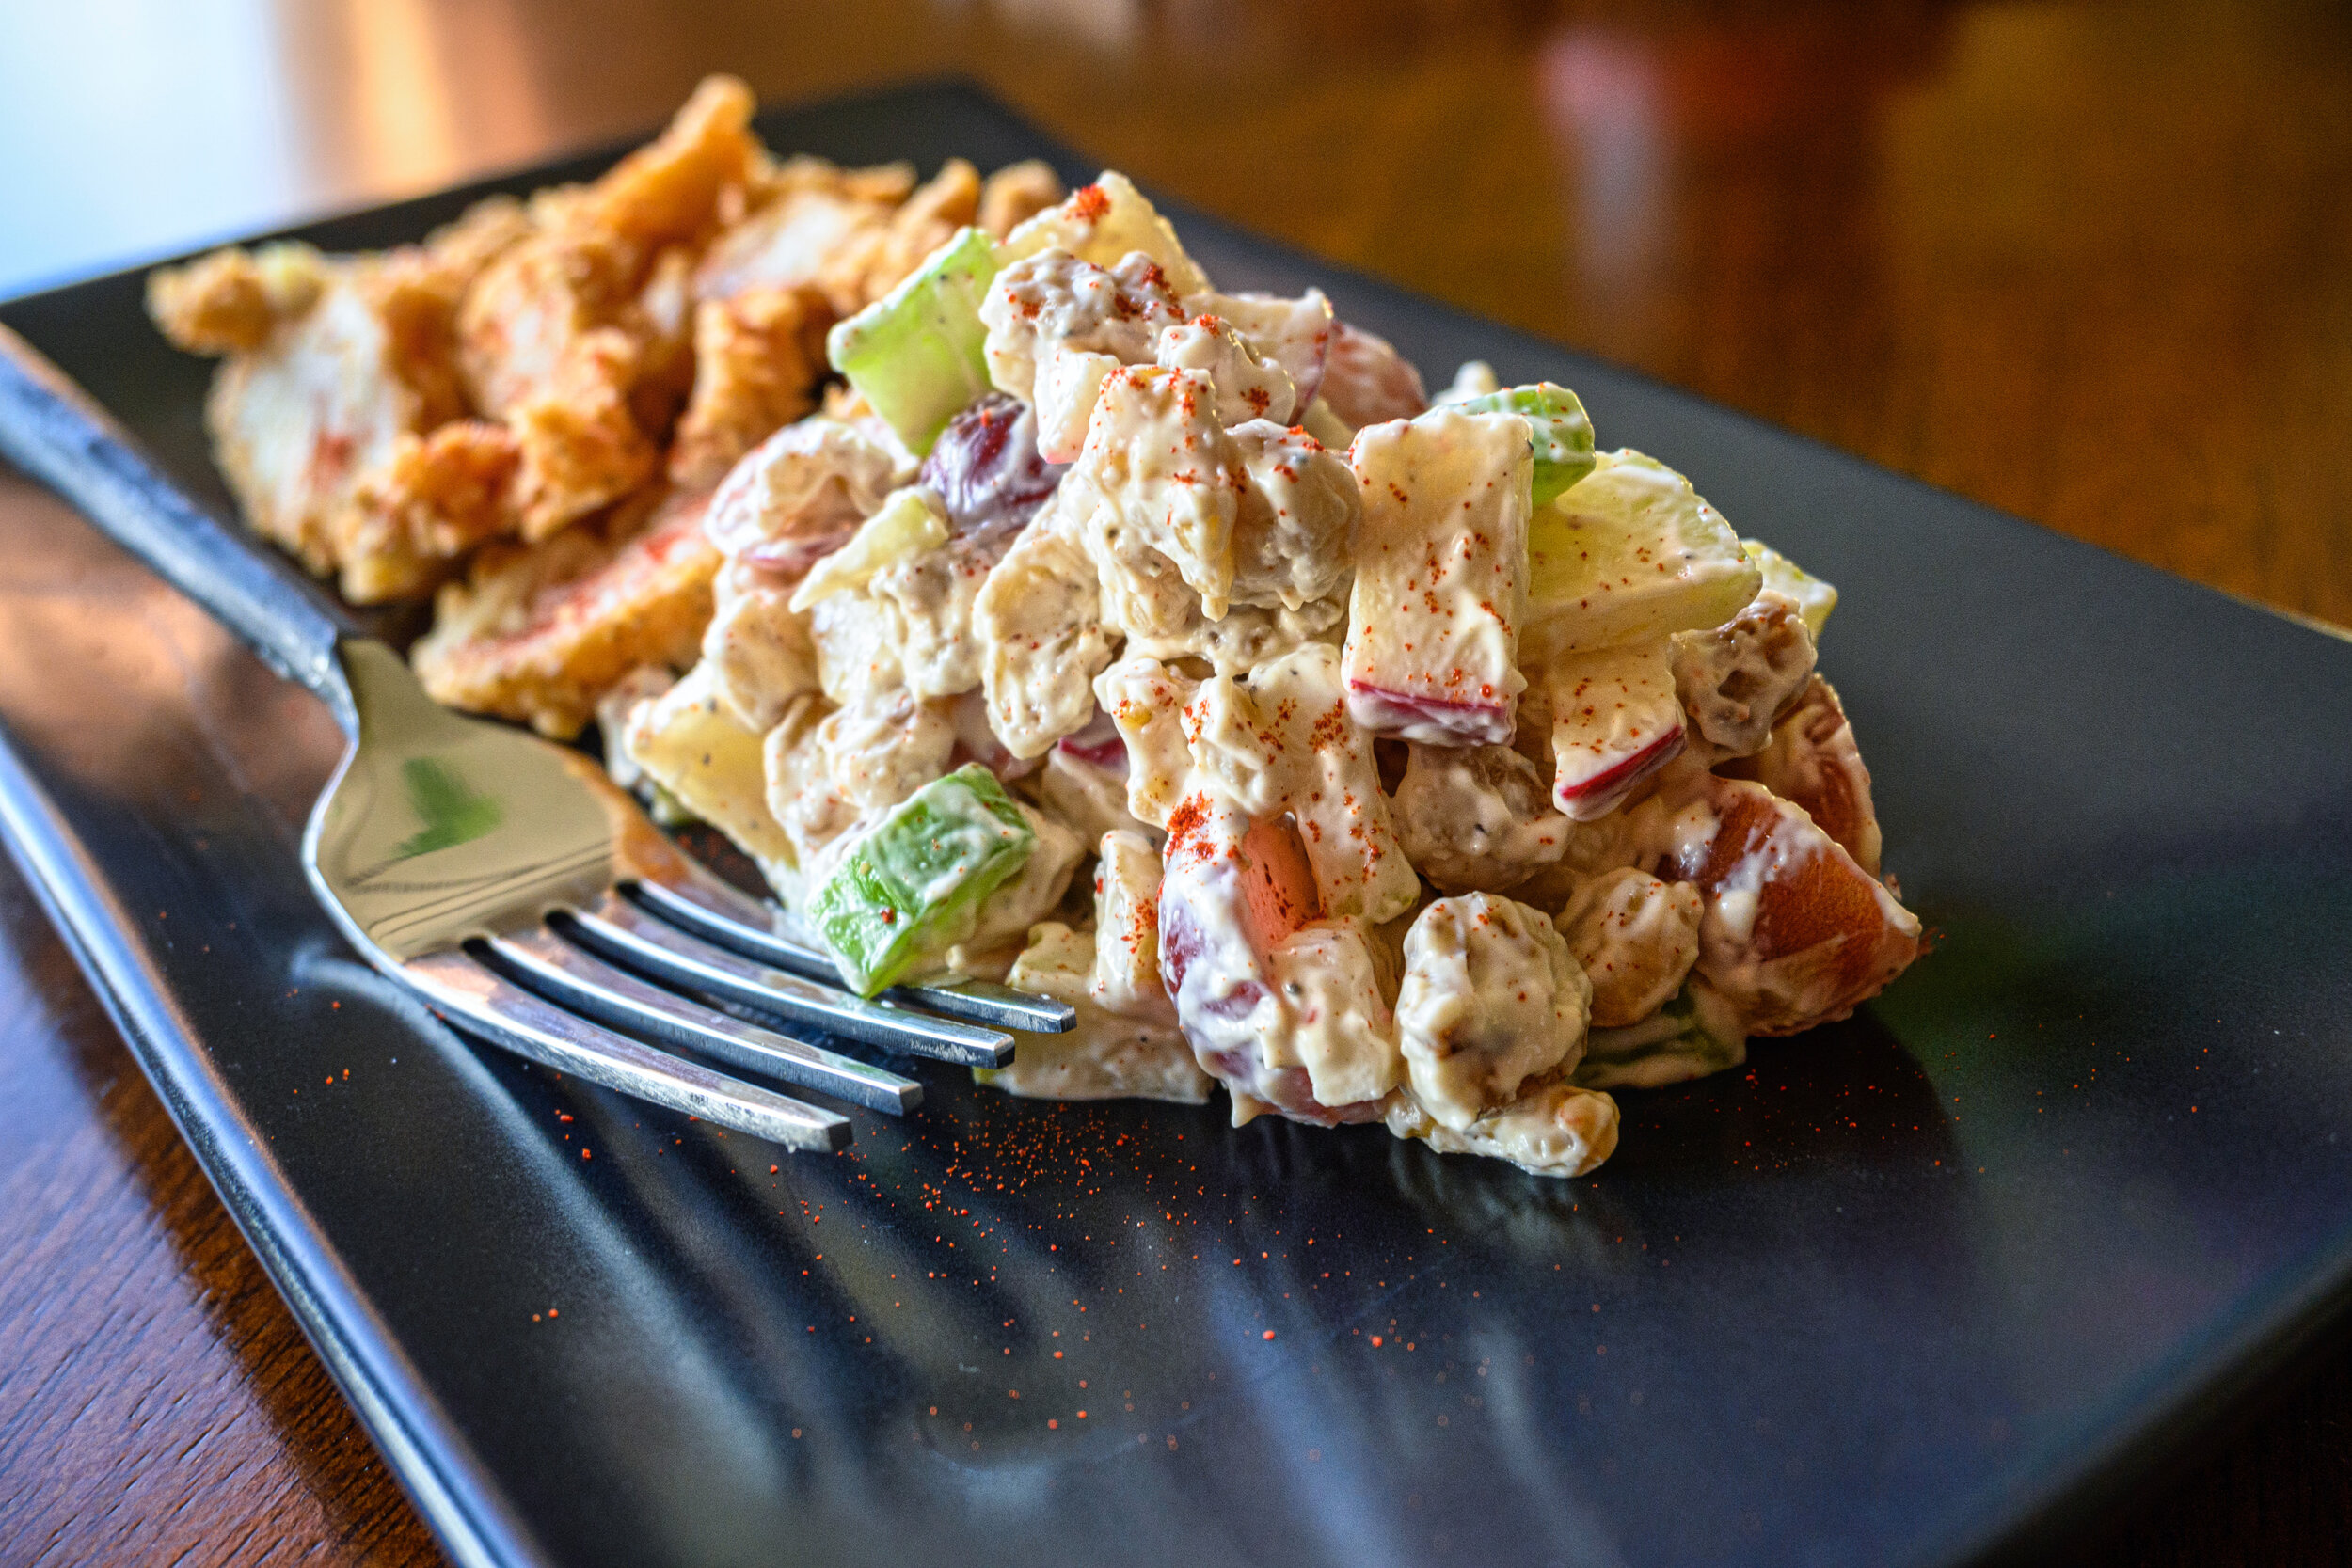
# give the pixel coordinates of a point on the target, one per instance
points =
(2091, 263)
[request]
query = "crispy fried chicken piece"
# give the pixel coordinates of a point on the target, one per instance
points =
(539, 633)
(230, 301)
(339, 368)
(298, 424)
(810, 212)
(551, 340)
(575, 336)
(757, 360)
(668, 191)
(437, 498)
(1017, 192)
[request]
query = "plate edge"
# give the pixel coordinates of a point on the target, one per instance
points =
(2055, 1515)
(464, 1510)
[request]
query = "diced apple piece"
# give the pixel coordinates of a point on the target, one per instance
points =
(1285, 743)
(1812, 762)
(1615, 721)
(1146, 702)
(1795, 933)
(908, 524)
(1440, 578)
(1103, 223)
(1815, 598)
(690, 743)
(1127, 928)
(1337, 1021)
(1222, 906)
(1630, 554)
(1069, 383)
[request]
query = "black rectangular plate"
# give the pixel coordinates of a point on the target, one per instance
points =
(1919, 1287)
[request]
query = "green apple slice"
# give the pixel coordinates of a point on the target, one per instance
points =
(1629, 554)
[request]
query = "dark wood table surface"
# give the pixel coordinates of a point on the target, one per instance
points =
(2087, 263)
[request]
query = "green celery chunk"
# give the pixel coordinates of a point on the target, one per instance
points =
(1564, 437)
(912, 885)
(916, 352)
(1697, 1032)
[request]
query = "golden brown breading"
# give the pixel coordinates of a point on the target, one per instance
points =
(949, 202)
(665, 310)
(539, 633)
(667, 192)
(797, 239)
(576, 336)
(298, 423)
(1017, 192)
(679, 302)
(440, 497)
(230, 301)
(551, 340)
(757, 360)
(581, 447)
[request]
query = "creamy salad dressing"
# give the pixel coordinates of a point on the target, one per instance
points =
(1402, 798)
(1440, 578)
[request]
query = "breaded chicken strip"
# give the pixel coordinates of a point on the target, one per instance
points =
(539, 633)
(340, 369)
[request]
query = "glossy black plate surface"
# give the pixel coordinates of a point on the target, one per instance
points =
(1909, 1290)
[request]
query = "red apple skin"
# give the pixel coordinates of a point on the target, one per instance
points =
(1268, 890)
(1595, 796)
(1826, 935)
(1432, 721)
(1812, 761)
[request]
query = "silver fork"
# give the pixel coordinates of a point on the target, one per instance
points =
(502, 876)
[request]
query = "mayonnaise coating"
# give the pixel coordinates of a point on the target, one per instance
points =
(1636, 938)
(1261, 641)
(1490, 999)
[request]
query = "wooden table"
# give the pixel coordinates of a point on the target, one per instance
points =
(2087, 263)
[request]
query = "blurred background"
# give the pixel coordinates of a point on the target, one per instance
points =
(2087, 263)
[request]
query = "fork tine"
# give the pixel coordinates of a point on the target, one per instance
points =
(726, 918)
(619, 931)
(588, 985)
(463, 990)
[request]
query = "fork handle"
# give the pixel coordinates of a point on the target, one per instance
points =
(58, 434)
